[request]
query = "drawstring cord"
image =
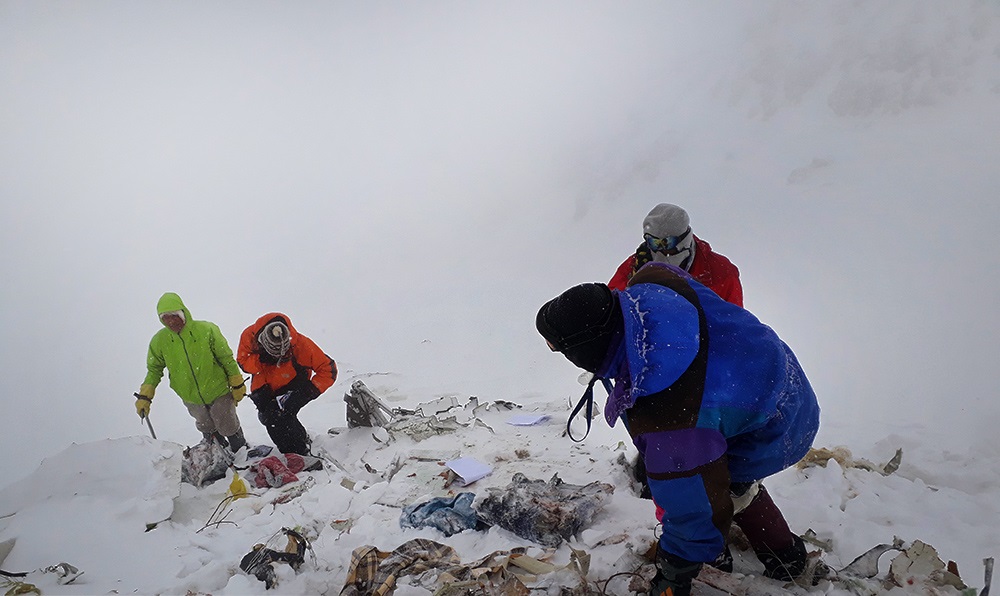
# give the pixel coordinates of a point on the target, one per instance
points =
(586, 400)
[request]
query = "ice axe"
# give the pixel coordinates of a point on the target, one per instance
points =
(149, 424)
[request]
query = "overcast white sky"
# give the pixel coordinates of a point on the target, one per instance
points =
(411, 181)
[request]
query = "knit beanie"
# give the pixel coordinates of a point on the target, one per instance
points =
(666, 220)
(275, 339)
(580, 323)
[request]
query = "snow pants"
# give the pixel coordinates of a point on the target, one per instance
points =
(281, 419)
(218, 416)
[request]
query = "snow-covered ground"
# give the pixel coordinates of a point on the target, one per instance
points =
(89, 506)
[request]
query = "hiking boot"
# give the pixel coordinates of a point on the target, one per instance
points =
(785, 564)
(236, 441)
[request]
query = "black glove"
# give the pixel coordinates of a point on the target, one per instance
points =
(261, 396)
(299, 398)
(268, 411)
(269, 414)
(673, 575)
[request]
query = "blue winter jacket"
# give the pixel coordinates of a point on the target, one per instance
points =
(711, 396)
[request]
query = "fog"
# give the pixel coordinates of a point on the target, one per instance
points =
(409, 182)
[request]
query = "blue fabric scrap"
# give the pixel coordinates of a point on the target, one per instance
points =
(450, 515)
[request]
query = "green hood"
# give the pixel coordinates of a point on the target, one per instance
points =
(170, 302)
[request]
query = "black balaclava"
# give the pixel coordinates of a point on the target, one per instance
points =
(580, 323)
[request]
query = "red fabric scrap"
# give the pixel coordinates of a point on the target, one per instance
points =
(278, 470)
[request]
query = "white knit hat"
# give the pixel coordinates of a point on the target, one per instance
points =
(666, 220)
(275, 339)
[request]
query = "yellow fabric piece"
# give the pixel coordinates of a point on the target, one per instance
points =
(238, 487)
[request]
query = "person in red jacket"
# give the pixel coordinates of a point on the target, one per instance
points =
(289, 370)
(667, 238)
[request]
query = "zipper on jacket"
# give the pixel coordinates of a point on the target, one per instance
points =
(193, 375)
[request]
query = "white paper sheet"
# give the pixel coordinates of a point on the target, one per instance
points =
(468, 469)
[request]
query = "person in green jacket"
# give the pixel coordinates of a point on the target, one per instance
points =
(202, 371)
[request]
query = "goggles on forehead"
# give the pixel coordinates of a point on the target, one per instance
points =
(666, 245)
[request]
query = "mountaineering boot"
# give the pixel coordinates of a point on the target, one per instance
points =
(673, 575)
(236, 441)
(785, 564)
(781, 551)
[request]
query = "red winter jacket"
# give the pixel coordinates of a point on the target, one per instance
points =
(709, 268)
(304, 354)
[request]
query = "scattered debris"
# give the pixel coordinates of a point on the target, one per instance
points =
(219, 515)
(205, 463)
(450, 515)
(293, 491)
(528, 419)
(866, 565)
(279, 470)
(813, 539)
(64, 572)
(844, 457)
(238, 488)
(364, 408)
(375, 572)
(420, 427)
(437, 568)
(260, 561)
(506, 405)
(920, 564)
(259, 451)
(544, 512)
(434, 455)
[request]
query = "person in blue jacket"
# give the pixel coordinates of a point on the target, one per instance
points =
(713, 400)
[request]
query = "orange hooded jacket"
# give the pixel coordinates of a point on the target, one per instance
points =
(305, 354)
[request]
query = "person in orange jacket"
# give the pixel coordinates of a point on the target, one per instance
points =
(289, 370)
(667, 238)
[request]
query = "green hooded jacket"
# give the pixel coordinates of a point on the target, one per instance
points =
(198, 359)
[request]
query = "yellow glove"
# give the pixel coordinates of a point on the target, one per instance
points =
(144, 399)
(238, 388)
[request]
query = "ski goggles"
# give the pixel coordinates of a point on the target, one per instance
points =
(666, 245)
